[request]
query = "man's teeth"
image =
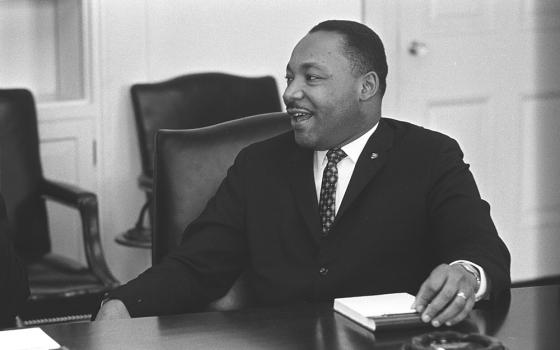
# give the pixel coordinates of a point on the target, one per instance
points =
(301, 116)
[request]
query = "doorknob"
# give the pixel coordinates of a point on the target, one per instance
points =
(418, 48)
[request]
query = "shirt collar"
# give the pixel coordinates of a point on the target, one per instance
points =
(352, 150)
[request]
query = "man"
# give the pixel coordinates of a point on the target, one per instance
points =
(346, 204)
(13, 281)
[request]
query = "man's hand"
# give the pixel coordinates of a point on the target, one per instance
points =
(447, 296)
(112, 309)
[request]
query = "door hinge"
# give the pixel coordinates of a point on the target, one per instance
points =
(94, 152)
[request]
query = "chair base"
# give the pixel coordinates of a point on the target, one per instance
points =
(137, 237)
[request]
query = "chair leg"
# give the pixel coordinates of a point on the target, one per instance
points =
(139, 236)
(140, 221)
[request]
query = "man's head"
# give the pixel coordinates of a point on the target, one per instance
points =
(336, 80)
(363, 48)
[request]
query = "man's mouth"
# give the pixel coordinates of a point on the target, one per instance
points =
(299, 114)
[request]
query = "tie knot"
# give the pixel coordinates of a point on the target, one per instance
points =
(335, 155)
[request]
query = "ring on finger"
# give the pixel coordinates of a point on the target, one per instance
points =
(462, 294)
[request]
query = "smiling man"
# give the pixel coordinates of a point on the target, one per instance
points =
(348, 203)
(332, 102)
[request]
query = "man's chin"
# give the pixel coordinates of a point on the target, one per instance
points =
(305, 141)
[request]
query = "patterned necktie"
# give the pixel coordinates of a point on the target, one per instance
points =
(328, 188)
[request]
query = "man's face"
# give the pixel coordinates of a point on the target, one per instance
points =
(322, 95)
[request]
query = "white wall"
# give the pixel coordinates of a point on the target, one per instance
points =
(153, 40)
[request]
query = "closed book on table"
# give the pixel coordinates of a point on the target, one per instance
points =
(381, 311)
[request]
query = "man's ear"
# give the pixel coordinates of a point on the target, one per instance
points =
(369, 85)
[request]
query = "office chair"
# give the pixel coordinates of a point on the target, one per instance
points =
(13, 281)
(186, 102)
(189, 166)
(61, 289)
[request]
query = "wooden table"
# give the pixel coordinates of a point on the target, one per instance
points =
(530, 321)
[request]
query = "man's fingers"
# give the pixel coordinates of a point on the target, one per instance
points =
(462, 303)
(429, 289)
(446, 297)
(422, 298)
(461, 315)
(440, 302)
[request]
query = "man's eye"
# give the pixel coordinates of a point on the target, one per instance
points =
(312, 77)
(289, 79)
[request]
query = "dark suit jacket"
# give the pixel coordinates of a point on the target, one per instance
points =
(13, 280)
(412, 207)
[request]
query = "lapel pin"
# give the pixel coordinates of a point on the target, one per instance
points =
(374, 155)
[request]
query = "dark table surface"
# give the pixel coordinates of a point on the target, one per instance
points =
(531, 320)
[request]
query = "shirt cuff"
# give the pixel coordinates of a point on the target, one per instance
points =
(482, 289)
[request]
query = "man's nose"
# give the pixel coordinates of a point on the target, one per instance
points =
(293, 92)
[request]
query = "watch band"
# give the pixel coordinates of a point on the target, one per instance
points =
(472, 270)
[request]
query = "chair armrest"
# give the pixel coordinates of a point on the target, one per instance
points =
(86, 204)
(67, 194)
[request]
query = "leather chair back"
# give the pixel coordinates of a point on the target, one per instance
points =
(21, 173)
(190, 165)
(197, 100)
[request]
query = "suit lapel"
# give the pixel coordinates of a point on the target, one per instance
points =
(301, 179)
(299, 173)
(371, 160)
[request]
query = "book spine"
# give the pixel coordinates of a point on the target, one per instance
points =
(398, 321)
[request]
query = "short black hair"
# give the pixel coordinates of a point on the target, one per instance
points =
(363, 48)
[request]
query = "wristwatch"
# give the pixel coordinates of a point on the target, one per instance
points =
(472, 270)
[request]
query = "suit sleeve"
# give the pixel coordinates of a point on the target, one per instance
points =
(211, 256)
(14, 289)
(460, 219)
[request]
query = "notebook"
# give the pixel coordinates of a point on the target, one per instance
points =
(382, 311)
(27, 339)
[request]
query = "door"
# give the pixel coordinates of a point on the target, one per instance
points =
(486, 73)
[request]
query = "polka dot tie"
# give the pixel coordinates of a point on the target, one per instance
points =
(328, 188)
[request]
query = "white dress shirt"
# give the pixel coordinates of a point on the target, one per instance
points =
(346, 168)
